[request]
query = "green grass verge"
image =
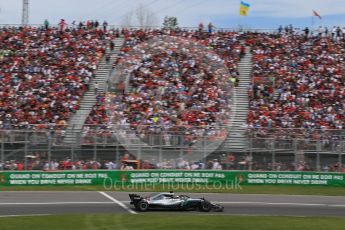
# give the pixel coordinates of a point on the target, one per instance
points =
(168, 222)
(245, 189)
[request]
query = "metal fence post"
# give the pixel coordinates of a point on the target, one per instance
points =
(250, 143)
(340, 162)
(160, 159)
(78, 138)
(140, 151)
(117, 153)
(294, 144)
(26, 151)
(205, 157)
(204, 149)
(2, 150)
(94, 150)
(318, 146)
(251, 162)
(274, 168)
(72, 153)
(274, 155)
(318, 168)
(49, 149)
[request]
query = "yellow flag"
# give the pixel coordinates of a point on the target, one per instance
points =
(244, 8)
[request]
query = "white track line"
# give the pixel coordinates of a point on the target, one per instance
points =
(122, 203)
(290, 204)
(118, 202)
(56, 203)
(27, 215)
(273, 203)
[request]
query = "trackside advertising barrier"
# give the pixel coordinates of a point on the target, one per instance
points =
(105, 177)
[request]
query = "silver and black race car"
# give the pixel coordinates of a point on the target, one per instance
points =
(170, 201)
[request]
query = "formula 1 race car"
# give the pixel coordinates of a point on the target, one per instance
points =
(169, 201)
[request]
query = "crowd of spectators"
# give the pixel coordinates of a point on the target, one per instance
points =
(298, 81)
(44, 73)
(180, 83)
(172, 81)
(37, 164)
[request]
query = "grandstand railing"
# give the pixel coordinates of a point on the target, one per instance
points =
(292, 133)
(307, 140)
(269, 149)
(235, 29)
(153, 135)
(260, 132)
(178, 136)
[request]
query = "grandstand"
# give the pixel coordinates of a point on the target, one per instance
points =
(248, 100)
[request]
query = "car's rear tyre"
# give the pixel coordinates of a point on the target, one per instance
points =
(142, 206)
(205, 206)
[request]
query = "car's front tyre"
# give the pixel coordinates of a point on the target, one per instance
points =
(205, 206)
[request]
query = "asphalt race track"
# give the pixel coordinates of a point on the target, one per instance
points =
(42, 203)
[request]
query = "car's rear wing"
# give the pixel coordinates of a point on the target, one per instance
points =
(135, 198)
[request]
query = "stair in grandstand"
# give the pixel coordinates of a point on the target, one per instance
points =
(276, 94)
(89, 99)
(236, 140)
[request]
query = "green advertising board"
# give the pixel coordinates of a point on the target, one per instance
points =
(103, 177)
